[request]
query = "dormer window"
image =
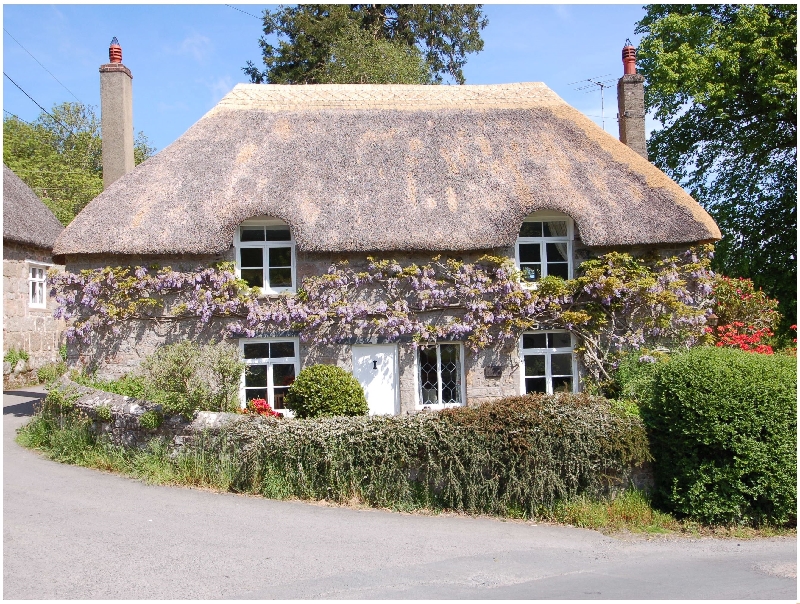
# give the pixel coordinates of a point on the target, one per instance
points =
(544, 246)
(265, 255)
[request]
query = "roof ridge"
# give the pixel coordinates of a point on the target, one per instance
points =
(276, 97)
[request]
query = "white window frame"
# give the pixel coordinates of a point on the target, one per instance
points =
(418, 379)
(269, 362)
(569, 239)
(547, 353)
(265, 245)
(44, 267)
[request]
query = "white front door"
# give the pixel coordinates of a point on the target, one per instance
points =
(375, 367)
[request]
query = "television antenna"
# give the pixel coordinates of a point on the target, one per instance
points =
(590, 85)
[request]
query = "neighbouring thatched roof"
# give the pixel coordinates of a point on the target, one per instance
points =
(25, 218)
(371, 167)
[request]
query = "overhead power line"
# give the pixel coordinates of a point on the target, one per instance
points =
(37, 104)
(244, 11)
(17, 117)
(42, 66)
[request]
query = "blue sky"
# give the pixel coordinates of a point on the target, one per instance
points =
(185, 58)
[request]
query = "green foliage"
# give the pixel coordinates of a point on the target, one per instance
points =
(509, 457)
(310, 35)
(723, 432)
(737, 300)
(150, 420)
(359, 58)
(103, 413)
(326, 391)
(14, 355)
(633, 378)
(128, 385)
(61, 158)
(722, 80)
(186, 377)
(51, 372)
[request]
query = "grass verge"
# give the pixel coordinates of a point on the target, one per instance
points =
(66, 436)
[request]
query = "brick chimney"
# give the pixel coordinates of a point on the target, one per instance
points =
(630, 98)
(116, 116)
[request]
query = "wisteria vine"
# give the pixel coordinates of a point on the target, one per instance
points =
(617, 302)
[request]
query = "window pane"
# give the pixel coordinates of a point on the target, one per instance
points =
(562, 384)
(280, 256)
(252, 234)
(534, 364)
(558, 269)
(280, 277)
(255, 376)
(560, 340)
(279, 233)
(249, 395)
(535, 385)
(531, 272)
(451, 373)
(530, 252)
(428, 378)
(251, 257)
(256, 351)
(282, 375)
(531, 229)
(561, 364)
(556, 252)
(279, 393)
(281, 349)
(534, 340)
(555, 228)
(253, 276)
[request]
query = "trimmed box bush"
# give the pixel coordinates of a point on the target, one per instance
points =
(326, 391)
(723, 434)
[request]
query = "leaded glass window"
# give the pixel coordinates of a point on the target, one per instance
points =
(548, 362)
(440, 375)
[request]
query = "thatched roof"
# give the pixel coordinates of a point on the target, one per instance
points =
(376, 167)
(25, 218)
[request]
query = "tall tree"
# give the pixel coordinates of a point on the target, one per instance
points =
(59, 156)
(307, 34)
(722, 80)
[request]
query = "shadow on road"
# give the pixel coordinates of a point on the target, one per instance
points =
(25, 409)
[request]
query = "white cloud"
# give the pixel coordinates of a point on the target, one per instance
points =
(218, 87)
(196, 45)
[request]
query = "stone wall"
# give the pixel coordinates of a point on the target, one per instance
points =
(32, 330)
(113, 356)
(124, 428)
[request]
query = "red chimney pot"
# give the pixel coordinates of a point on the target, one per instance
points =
(629, 58)
(115, 51)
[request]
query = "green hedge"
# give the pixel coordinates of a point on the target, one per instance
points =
(723, 433)
(509, 457)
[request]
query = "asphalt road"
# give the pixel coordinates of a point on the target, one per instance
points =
(71, 532)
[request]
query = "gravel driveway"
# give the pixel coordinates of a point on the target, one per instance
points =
(71, 532)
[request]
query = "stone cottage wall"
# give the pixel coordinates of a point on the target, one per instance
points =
(24, 328)
(114, 356)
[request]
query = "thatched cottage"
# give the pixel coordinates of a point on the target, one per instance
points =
(29, 232)
(283, 180)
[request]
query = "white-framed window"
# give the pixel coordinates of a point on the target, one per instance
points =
(271, 365)
(265, 255)
(37, 284)
(548, 362)
(440, 375)
(544, 246)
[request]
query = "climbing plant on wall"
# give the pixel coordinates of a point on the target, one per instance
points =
(616, 302)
